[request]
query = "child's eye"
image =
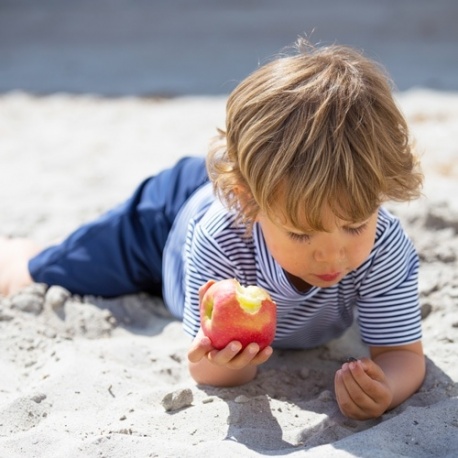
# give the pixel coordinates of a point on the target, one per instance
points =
(298, 237)
(356, 230)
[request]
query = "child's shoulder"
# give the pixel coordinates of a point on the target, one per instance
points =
(390, 234)
(387, 222)
(217, 233)
(386, 215)
(215, 217)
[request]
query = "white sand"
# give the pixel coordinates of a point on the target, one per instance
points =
(77, 380)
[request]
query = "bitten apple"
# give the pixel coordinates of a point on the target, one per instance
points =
(230, 311)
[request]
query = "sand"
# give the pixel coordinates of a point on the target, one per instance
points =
(85, 377)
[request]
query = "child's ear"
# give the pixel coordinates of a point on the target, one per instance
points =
(239, 191)
(245, 198)
(242, 193)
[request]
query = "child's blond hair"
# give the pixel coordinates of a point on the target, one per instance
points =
(318, 128)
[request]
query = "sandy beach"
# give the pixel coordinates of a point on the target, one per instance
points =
(86, 377)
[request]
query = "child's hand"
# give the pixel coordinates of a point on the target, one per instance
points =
(232, 356)
(362, 390)
(230, 366)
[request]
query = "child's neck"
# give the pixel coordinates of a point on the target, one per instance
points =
(297, 282)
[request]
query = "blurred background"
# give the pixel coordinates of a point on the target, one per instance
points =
(205, 47)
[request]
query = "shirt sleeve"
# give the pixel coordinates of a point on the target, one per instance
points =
(216, 249)
(388, 301)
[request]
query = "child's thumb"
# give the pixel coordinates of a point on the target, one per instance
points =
(372, 369)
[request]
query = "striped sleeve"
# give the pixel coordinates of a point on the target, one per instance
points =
(214, 250)
(388, 302)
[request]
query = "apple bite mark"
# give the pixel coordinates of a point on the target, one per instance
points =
(250, 297)
(208, 308)
(230, 312)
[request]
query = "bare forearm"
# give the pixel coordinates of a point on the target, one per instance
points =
(206, 373)
(405, 372)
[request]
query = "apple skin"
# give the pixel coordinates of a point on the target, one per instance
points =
(229, 311)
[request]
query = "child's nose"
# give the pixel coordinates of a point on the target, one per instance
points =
(331, 251)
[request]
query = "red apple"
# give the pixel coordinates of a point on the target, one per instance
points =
(230, 311)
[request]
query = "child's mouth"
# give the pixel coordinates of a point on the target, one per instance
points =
(329, 277)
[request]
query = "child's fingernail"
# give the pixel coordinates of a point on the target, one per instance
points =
(252, 349)
(234, 347)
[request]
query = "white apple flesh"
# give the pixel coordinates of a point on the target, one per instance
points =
(231, 312)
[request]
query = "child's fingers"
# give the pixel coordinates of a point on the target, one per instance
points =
(351, 399)
(359, 395)
(234, 357)
(203, 289)
(371, 380)
(373, 370)
(245, 357)
(262, 356)
(346, 404)
(224, 356)
(199, 348)
(355, 381)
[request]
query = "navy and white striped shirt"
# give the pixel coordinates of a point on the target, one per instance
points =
(206, 244)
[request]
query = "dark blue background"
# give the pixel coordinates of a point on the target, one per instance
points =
(175, 47)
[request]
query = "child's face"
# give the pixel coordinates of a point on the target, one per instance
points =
(319, 258)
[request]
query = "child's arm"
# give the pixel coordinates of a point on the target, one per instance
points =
(368, 387)
(230, 366)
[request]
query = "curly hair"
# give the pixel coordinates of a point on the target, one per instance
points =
(319, 127)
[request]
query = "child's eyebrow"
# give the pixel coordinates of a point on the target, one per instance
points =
(356, 223)
(345, 224)
(295, 229)
(298, 231)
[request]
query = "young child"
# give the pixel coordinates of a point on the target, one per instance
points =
(289, 199)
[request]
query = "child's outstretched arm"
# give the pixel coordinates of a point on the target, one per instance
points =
(230, 366)
(368, 387)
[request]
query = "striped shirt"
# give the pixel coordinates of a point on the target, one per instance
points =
(205, 243)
